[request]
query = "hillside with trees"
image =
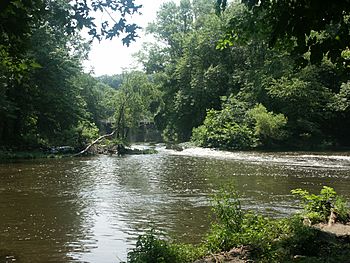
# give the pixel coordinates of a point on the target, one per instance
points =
(232, 79)
(232, 76)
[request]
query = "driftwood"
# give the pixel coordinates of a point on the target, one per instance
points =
(332, 218)
(94, 142)
(120, 128)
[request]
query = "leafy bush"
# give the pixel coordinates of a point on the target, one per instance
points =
(78, 136)
(219, 130)
(235, 127)
(269, 240)
(227, 209)
(229, 219)
(87, 130)
(234, 228)
(318, 208)
(268, 126)
(294, 238)
(150, 248)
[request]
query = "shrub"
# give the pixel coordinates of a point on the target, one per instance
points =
(219, 130)
(268, 126)
(235, 127)
(234, 228)
(227, 209)
(318, 207)
(229, 219)
(150, 248)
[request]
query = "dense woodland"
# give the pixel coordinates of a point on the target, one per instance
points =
(238, 76)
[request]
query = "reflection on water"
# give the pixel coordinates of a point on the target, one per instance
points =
(92, 209)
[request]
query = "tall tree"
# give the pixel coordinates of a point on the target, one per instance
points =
(41, 54)
(135, 101)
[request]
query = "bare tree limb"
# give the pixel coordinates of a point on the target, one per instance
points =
(94, 142)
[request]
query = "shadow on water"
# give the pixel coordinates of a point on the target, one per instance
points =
(93, 209)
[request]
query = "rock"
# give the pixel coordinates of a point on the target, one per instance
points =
(235, 255)
(307, 221)
(121, 150)
(337, 229)
(175, 147)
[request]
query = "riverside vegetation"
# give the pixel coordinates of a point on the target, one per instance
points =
(225, 76)
(259, 238)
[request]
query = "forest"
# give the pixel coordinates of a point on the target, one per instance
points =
(235, 76)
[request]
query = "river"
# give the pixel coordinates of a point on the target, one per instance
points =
(92, 209)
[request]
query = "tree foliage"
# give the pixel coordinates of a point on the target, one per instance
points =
(135, 101)
(237, 55)
(319, 28)
(46, 99)
(229, 81)
(267, 125)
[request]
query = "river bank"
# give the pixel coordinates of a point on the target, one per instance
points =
(27, 155)
(328, 246)
(151, 148)
(238, 236)
(66, 151)
(278, 241)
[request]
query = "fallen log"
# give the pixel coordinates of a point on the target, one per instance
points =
(94, 142)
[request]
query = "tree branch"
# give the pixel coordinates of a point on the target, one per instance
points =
(94, 142)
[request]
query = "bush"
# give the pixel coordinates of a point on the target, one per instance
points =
(150, 248)
(268, 126)
(234, 228)
(219, 130)
(229, 218)
(269, 240)
(235, 127)
(318, 208)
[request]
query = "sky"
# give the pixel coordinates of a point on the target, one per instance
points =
(110, 57)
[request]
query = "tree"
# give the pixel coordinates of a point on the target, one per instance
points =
(134, 102)
(320, 28)
(194, 76)
(45, 98)
(171, 24)
(113, 81)
(18, 18)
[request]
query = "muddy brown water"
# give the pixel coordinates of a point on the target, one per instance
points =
(92, 209)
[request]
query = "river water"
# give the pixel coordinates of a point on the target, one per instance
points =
(92, 209)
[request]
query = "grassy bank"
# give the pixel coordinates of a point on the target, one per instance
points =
(240, 236)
